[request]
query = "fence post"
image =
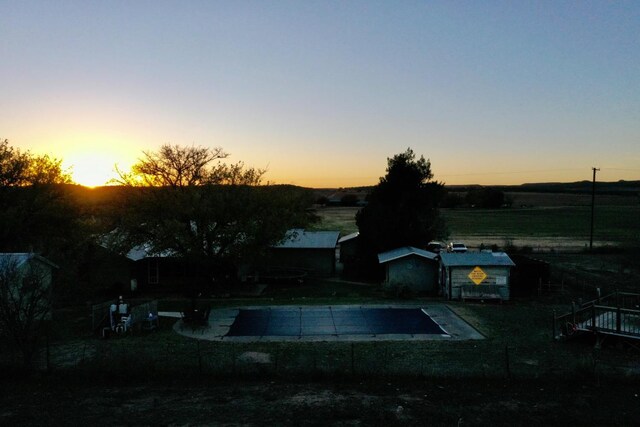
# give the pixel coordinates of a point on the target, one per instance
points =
(593, 317)
(598, 299)
(539, 286)
(48, 352)
(507, 364)
(199, 357)
(353, 371)
(618, 320)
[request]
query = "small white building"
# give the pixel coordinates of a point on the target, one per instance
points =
(475, 275)
(410, 267)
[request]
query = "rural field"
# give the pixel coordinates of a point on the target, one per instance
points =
(517, 375)
(540, 221)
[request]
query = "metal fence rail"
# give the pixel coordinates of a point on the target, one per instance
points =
(614, 314)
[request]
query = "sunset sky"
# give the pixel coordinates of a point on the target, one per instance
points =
(322, 92)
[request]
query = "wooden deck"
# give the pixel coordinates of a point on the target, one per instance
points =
(616, 314)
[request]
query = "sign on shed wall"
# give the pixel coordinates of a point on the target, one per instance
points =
(477, 276)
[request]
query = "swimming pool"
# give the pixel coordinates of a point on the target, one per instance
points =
(332, 321)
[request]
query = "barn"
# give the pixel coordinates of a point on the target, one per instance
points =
(475, 275)
(411, 268)
(313, 252)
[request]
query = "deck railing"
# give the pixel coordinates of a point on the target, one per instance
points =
(614, 314)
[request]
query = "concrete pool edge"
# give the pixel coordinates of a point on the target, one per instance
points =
(220, 321)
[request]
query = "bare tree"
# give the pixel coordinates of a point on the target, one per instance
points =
(25, 304)
(179, 166)
(190, 204)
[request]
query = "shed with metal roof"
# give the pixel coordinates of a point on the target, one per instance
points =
(475, 275)
(313, 252)
(410, 268)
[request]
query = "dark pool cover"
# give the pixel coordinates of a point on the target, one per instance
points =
(294, 322)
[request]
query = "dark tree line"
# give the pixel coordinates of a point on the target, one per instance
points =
(36, 214)
(477, 197)
(402, 210)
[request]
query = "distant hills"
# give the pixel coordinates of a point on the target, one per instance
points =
(356, 195)
(620, 188)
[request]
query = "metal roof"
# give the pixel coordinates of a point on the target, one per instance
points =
(451, 259)
(145, 251)
(22, 257)
(403, 252)
(301, 239)
(349, 237)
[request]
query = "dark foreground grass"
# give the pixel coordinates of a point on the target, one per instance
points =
(340, 401)
(517, 376)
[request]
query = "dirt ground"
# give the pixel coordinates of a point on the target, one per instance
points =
(321, 402)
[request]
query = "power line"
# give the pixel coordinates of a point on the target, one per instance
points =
(593, 205)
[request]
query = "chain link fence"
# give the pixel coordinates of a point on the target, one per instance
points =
(151, 359)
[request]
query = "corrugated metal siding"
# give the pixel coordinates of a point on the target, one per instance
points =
(460, 276)
(316, 262)
(416, 273)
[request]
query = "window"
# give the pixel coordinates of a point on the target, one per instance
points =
(153, 271)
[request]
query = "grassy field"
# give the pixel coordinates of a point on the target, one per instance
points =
(612, 224)
(538, 227)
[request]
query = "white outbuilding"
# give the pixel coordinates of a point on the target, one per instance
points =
(475, 275)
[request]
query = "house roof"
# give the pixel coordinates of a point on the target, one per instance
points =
(466, 259)
(144, 251)
(403, 252)
(348, 237)
(301, 239)
(23, 257)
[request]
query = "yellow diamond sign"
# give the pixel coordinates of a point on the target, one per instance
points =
(477, 276)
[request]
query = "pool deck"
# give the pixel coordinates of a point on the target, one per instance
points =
(220, 321)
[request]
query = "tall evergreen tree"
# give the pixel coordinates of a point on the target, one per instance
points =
(402, 209)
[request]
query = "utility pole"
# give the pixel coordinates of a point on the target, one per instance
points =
(593, 205)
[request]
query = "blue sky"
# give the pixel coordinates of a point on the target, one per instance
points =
(322, 93)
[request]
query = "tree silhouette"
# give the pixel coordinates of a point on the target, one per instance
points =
(25, 304)
(188, 203)
(35, 212)
(402, 209)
